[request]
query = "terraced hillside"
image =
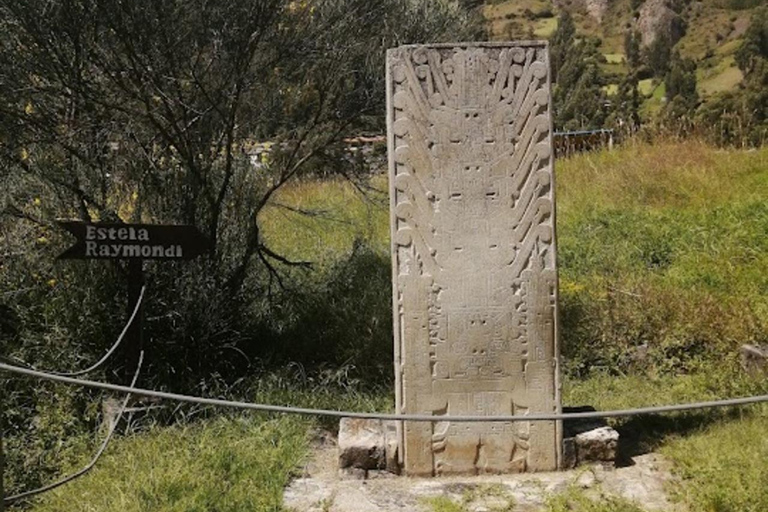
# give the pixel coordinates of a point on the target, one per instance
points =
(709, 31)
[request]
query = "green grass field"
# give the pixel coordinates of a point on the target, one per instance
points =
(723, 77)
(545, 27)
(663, 247)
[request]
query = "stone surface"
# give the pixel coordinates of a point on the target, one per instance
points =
(597, 8)
(322, 489)
(657, 19)
(588, 440)
(754, 359)
(598, 445)
(474, 276)
(362, 444)
(391, 444)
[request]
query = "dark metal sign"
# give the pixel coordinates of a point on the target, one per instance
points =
(134, 241)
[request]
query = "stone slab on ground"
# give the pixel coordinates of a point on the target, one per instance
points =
(324, 488)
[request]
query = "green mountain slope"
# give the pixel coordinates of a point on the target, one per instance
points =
(711, 30)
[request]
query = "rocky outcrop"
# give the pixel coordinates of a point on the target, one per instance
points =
(656, 19)
(596, 8)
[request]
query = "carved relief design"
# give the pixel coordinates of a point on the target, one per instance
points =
(474, 255)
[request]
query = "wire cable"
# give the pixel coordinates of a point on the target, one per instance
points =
(384, 416)
(109, 353)
(102, 448)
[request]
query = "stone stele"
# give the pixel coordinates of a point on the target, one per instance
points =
(474, 272)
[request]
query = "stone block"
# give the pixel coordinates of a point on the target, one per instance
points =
(587, 440)
(362, 444)
(598, 445)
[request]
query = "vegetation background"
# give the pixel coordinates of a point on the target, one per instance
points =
(149, 111)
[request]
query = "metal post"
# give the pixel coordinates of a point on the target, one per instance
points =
(135, 334)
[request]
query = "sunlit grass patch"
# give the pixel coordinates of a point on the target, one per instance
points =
(724, 80)
(545, 27)
(489, 497)
(224, 465)
(646, 86)
(577, 500)
(319, 219)
(722, 467)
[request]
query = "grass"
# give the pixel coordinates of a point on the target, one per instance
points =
(229, 463)
(655, 95)
(489, 497)
(226, 465)
(545, 27)
(318, 220)
(665, 248)
(615, 58)
(722, 466)
(576, 500)
(724, 77)
(499, 15)
(661, 247)
(646, 86)
(495, 498)
(678, 224)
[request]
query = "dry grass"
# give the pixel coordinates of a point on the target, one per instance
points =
(670, 175)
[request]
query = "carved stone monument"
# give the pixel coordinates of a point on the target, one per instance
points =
(474, 273)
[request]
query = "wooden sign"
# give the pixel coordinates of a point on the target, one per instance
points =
(134, 241)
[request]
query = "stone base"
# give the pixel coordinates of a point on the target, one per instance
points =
(587, 440)
(367, 445)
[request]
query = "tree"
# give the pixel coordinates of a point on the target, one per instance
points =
(632, 40)
(144, 110)
(682, 98)
(658, 54)
(752, 58)
(755, 44)
(625, 115)
(578, 97)
(680, 81)
(561, 43)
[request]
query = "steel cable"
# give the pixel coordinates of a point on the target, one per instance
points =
(382, 416)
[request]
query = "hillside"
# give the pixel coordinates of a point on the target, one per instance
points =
(709, 31)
